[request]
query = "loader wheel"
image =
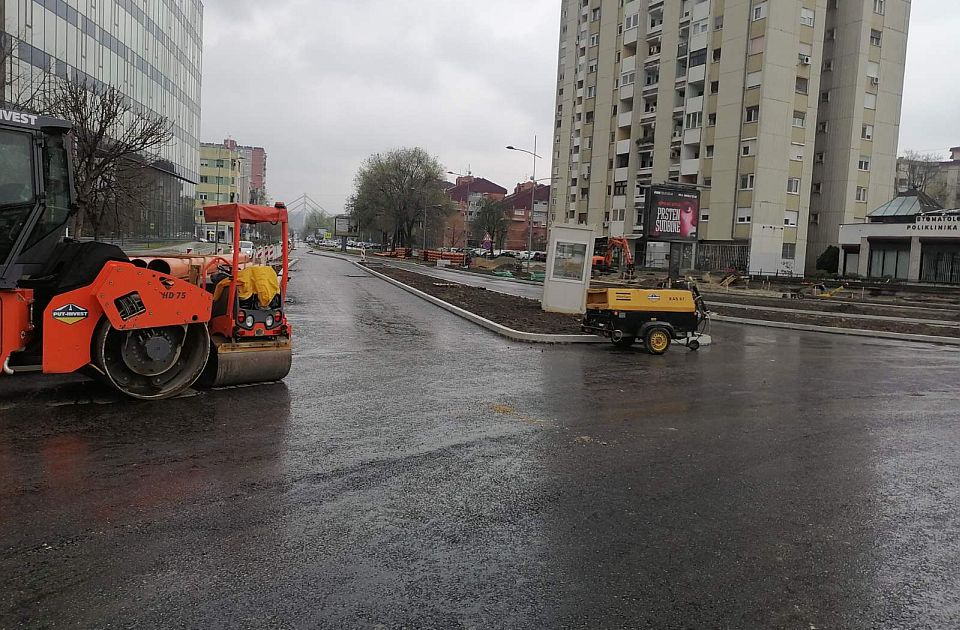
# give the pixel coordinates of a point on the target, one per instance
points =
(657, 340)
(624, 342)
(151, 363)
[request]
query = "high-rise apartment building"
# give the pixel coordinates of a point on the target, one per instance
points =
(220, 176)
(784, 112)
(150, 50)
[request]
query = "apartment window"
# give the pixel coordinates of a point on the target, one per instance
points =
(712, 119)
(752, 114)
(753, 80)
(628, 78)
(709, 150)
(744, 215)
(760, 11)
(716, 54)
(756, 45)
(588, 143)
(589, 118)
(718, 23)
(746, 181)
(876, 37)
(793, 186)
(595, 39)
(714, 87)
(828, 65)
(830, 34)
(873, 69)
(591, 91)
(799, 119)
(822, 127)
(861, 194)
(819, 157)
(870, 100)
(789, 250)
(866, 132)
(802, 85)
(790, 218)
(796, 152)
(748, 148)
(595, 14)
(704, 215)
(864, 163)
(619, 189)
(204, 179)
(701, 26)
(694, 120)
(817, 188)
(814, 218)
(879, 6)
(806, 16)
(592, 66)
(698, 57)
(708, 181)
(825, 96)
(631, 21)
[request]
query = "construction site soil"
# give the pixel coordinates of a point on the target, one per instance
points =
(839, 321)
(513, 312)
(843, 306)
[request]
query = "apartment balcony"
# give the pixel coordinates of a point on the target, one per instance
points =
(697, 74)
(575, 158)
(626, 92)
(623, 146)
(677, 136)
(576, 142)
(616, 228)
(619, 202)
(630, 36)
(651, 87)
(580, 93)
(646, 140)
(648, 115)
(625, 119)
(628, 65)
(621, 174)
(690, 166)
(694, 104)
(692, 136)
(645, 170)
(654, 28)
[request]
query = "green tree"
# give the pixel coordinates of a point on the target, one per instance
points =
(491, 220)
(829, 260)
(316, 220)
(395, 191)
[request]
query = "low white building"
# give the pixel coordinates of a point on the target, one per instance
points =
(910, 238)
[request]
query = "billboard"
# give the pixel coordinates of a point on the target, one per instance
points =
(672, 213)
(343, 225)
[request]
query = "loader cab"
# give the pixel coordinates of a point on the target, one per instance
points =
(36, 192)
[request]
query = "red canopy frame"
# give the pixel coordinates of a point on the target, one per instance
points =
(244, 213)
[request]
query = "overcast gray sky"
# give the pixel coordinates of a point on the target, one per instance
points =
(323, 84)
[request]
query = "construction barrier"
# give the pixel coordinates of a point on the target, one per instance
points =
(454, 257)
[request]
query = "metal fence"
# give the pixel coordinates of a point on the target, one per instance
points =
(720, 257)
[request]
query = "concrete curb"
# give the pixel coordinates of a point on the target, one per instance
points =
(492, 326)
(853, 332)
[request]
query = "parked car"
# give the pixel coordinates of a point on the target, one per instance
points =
(540, 256)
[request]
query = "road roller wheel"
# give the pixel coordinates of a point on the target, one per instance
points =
(151, 363)
(247, 362)
(657, 340)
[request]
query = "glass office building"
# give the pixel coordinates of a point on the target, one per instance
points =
(148, 49)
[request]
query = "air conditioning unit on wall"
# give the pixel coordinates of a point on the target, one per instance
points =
(805, 60)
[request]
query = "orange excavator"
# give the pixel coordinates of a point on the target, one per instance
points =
(605, 262)
(69, 306)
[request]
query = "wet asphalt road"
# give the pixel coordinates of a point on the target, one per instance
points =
(416, 471)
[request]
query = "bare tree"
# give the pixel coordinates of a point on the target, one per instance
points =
(22, 86)
(922, 171)
(115, 147)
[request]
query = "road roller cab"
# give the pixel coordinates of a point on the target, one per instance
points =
(249, 331)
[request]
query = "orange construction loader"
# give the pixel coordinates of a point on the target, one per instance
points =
(68, 306)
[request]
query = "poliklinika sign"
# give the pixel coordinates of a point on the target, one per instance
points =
(935, 223)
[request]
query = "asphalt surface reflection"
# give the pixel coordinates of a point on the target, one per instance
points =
(417, 471)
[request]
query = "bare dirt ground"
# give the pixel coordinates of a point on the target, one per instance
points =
(511, 311)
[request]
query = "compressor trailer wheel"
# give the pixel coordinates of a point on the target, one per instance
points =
(151, 363)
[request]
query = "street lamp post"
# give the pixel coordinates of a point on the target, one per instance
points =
(466, 212)
(533, 197)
